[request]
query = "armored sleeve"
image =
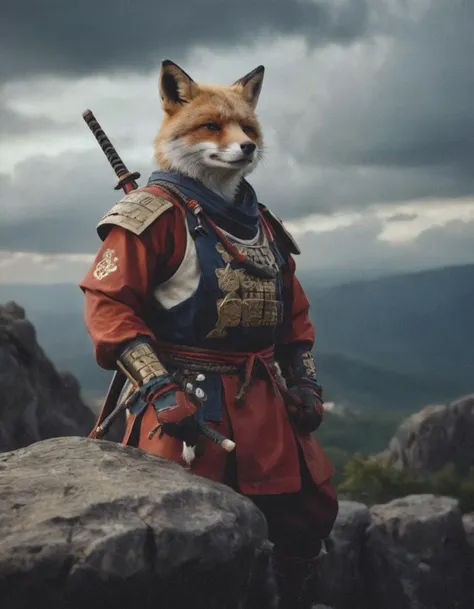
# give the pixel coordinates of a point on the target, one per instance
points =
(296, 338)
(118, 287)
(294, 349)
(298, 327)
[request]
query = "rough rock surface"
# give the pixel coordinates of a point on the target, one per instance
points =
(87, 523)
(93, 524)
(342, 577)
(468, 522)
(36, 401)
(411, 553)
(418, 555)
(435, 437)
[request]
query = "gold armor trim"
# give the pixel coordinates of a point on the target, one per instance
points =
(309, 365)
(135, 212)
(248, 301)
(142, 363)
(106, 265)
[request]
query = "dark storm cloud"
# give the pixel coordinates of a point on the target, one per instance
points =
(12, 123)
(60, 213)
(424, 116)
(418, 112)
(72, 192)
(407, 133)
(347, 188)
(89, 36)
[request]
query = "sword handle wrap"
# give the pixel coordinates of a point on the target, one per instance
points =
(216, 437)
(126, 179)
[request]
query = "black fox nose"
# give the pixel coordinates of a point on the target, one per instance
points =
(248, 147)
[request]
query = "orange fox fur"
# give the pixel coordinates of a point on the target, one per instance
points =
(209, 132)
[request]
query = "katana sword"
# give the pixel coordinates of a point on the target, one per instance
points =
(127, 181)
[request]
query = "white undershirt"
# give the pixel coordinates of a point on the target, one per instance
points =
(183, 284)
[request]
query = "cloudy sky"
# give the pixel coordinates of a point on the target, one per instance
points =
(367, 108)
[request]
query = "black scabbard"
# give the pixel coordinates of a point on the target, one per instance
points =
(110, 403)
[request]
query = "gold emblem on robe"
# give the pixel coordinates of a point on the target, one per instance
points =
(107, 265)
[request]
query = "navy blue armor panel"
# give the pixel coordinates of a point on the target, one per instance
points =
(231, 310)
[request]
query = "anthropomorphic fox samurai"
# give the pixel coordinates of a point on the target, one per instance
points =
(193, 293)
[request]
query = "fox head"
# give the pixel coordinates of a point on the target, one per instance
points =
(209, 132)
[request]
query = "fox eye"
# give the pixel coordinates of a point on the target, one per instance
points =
(248, 129)
(212, 126)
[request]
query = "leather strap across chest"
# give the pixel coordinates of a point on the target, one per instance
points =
(253, 267)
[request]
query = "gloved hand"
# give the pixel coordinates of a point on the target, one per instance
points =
(299, 371)
(175, 398)
(307, 415)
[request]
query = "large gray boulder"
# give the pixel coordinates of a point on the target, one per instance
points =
(86, 523)
(417, 555)
(436, 436)
(36, 401)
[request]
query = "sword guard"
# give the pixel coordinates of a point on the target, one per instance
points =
(129, 177)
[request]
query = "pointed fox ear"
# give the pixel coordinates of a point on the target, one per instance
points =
(176, 87)
(251, 85)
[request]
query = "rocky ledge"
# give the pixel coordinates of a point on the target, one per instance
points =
(433, 437)
(86, 523)
(412, 553)
(36, 401)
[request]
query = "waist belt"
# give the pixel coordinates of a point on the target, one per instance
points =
(246, 364)
(195, 365)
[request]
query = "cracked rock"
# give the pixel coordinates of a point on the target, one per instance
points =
(418, 556)
(86, 523)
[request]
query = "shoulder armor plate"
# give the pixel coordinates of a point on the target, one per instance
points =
(281, 232)
(135, 212)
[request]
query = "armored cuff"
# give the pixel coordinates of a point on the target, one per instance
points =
(298, 367)
(141, 362)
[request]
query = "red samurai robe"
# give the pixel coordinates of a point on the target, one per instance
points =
(181, 281)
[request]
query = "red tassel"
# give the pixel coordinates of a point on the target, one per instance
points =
(230, 248)
(196, 209)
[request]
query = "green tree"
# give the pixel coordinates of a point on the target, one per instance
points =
(371, 481)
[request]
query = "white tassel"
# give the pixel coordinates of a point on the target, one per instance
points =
(189, 453)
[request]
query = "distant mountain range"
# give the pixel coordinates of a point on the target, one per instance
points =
(417, 328)
(394, 343)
